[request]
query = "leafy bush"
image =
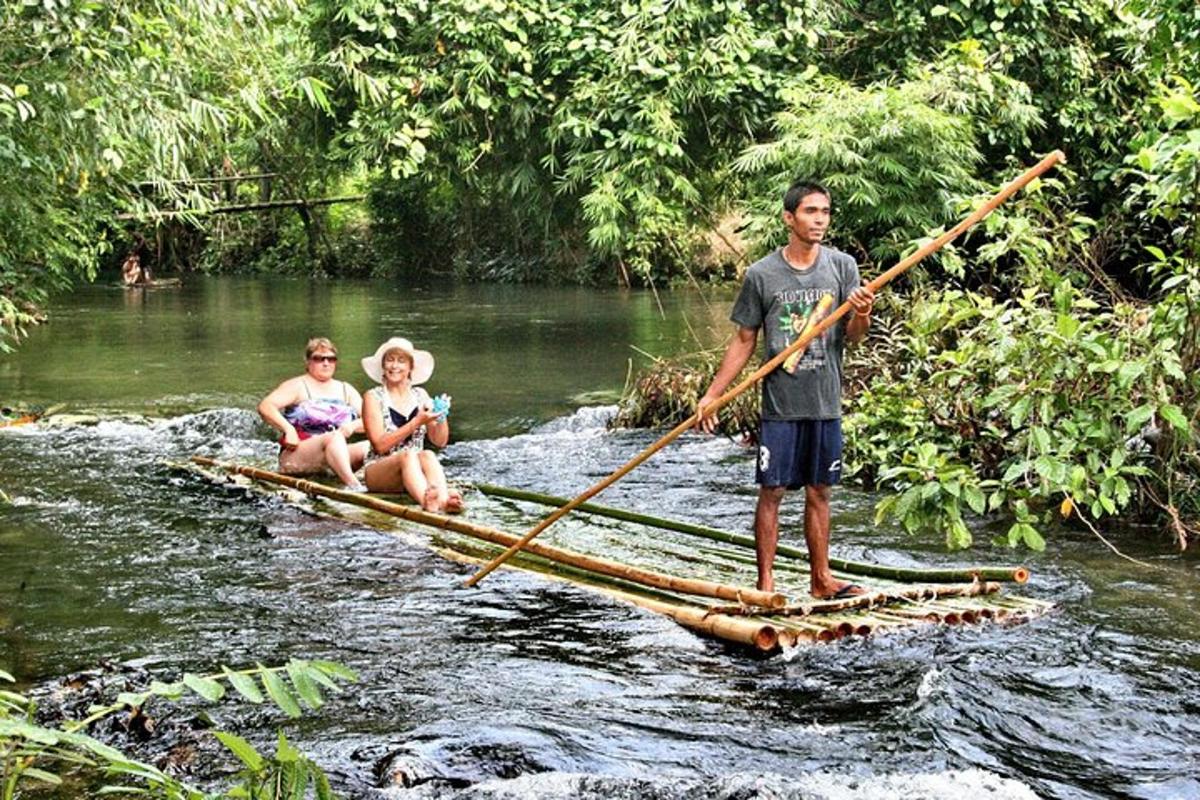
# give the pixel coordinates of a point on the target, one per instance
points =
(32, 754)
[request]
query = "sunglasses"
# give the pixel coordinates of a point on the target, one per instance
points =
(326, 359)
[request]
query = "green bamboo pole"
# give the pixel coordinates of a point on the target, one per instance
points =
(946, 575)
(797, 346)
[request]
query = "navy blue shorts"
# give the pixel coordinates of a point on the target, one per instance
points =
(801, 452)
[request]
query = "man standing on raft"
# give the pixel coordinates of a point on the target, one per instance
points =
(800, 441)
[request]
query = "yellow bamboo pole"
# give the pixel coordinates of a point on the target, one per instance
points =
(801, 342)
(658, 580)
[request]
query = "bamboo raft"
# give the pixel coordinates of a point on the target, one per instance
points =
(897, 597)
(13, 419)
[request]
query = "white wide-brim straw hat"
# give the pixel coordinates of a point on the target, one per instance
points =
(422, 361)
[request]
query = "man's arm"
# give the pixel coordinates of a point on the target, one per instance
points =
(740, 348)
(862, 298)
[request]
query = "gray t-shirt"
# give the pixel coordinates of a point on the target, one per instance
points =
(780, 299)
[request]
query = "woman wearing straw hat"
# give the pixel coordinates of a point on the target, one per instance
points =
(398, 416)
(315, 415)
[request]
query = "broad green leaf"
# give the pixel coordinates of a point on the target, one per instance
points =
(1129, 372)
(308, 690)
(1174, 415)
(1014, 471)
(958, 536)
(6, 677)
(1135, 419)
(241, 748)
(1033, 539)
(336, 670)
(278, 692)
(975, 498)
(243, 684)
(207, 688)
(171, 691)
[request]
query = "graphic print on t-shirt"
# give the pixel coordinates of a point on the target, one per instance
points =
(800, 309)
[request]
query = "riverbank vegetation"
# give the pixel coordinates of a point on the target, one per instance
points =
(1050, 357)
(41, 751)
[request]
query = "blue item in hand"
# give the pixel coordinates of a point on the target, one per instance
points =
(441, 406)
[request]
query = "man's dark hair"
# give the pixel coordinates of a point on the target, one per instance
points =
(800, 190)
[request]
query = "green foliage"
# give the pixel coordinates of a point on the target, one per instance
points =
(666, 393)
(32, 754)
(1015, 405)
(581, 129)
(894, 162)
(112, 107)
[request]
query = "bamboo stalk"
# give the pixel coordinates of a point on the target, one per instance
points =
(948, 575)
(626, 572)
(759, 634)
(801, 342)
(875, 599)
(907, 615)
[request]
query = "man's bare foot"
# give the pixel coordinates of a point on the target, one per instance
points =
(839, 591)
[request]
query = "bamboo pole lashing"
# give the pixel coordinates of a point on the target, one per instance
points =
(740, 595)
(801, 342)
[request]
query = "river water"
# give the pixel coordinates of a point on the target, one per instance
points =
(525, 687)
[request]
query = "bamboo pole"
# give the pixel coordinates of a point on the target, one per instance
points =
(801, 342)
(579, 560)
(870, 600)
(761, 634)
(1018, 574)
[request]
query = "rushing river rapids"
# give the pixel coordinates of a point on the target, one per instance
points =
(525, 687)
(113, 563)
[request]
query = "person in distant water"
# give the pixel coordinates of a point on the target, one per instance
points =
(134, 272)
(316, 416)
(399, 416)
(800, 440)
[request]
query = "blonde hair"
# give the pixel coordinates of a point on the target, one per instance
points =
(317, 343)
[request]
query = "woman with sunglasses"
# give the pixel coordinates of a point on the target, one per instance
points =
(316, 416)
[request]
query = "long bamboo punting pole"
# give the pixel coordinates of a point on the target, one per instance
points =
(939, 575)
(801, 342)
(579, 560)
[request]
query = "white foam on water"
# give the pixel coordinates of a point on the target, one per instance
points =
(976, 784)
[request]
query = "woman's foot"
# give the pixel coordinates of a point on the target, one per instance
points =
(454, 502)
(430, 501)
(356, 488)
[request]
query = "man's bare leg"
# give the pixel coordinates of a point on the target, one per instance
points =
(766, 534)
(816, 536)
